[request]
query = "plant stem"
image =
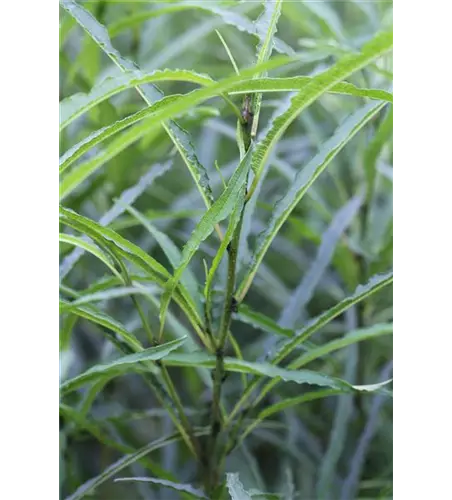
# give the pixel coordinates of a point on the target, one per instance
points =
(219, 367)
(215, 466)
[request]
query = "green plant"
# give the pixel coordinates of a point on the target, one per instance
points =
(183, 284)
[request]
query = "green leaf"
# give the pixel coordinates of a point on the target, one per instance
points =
(294, 83)
(183, 143)
(235, 487)
(66, 25)
(99, 34)
(80, 172)
(89, 247)
(358, 458)
(320, 84)
(96, 137)
(164, 109)
(228, 52)
(291, 402)
(77, 104)
(104, 289)
(90, 395)
(68, 325)
(236, 365)
(129, 195)
(266, 28)
(186, 488)
(121, 366)
(218, 212)
(120, 337)
(350, 338)
(127, 222)
(150, 94)
(124, 247)
(110, 293)
(74, 106)
(173, 254)
(261, 495)
(260, 321)
(328, 16)
(266, 324)
(134, 254)
(362, 292)
(287, 403)
(303, 180)
(233, 222)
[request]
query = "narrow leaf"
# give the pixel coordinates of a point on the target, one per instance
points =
(288, 403)
(228, 52)
(353, 337)
(110, 293)
(74, 106)
(150, 94)
(276, 373)
(96, 137)
(358, 459)
(186, 488)
(375, 283)
(124, 246)
(320, 84)
(172, 253)
(260, 321)
(80, 172)
(233, 222)
(266, 28)
(218, 212)
(294, 83)
(121, 366)
(164, 109)
(117, 333)
(362, 292)
(84, 245)
(128, 196)
(303, 180)
(266, 324)
(134, 254)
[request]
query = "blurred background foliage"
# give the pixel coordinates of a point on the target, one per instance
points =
(333, 448)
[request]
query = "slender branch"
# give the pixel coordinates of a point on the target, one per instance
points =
(219, 372)
(229, 306)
